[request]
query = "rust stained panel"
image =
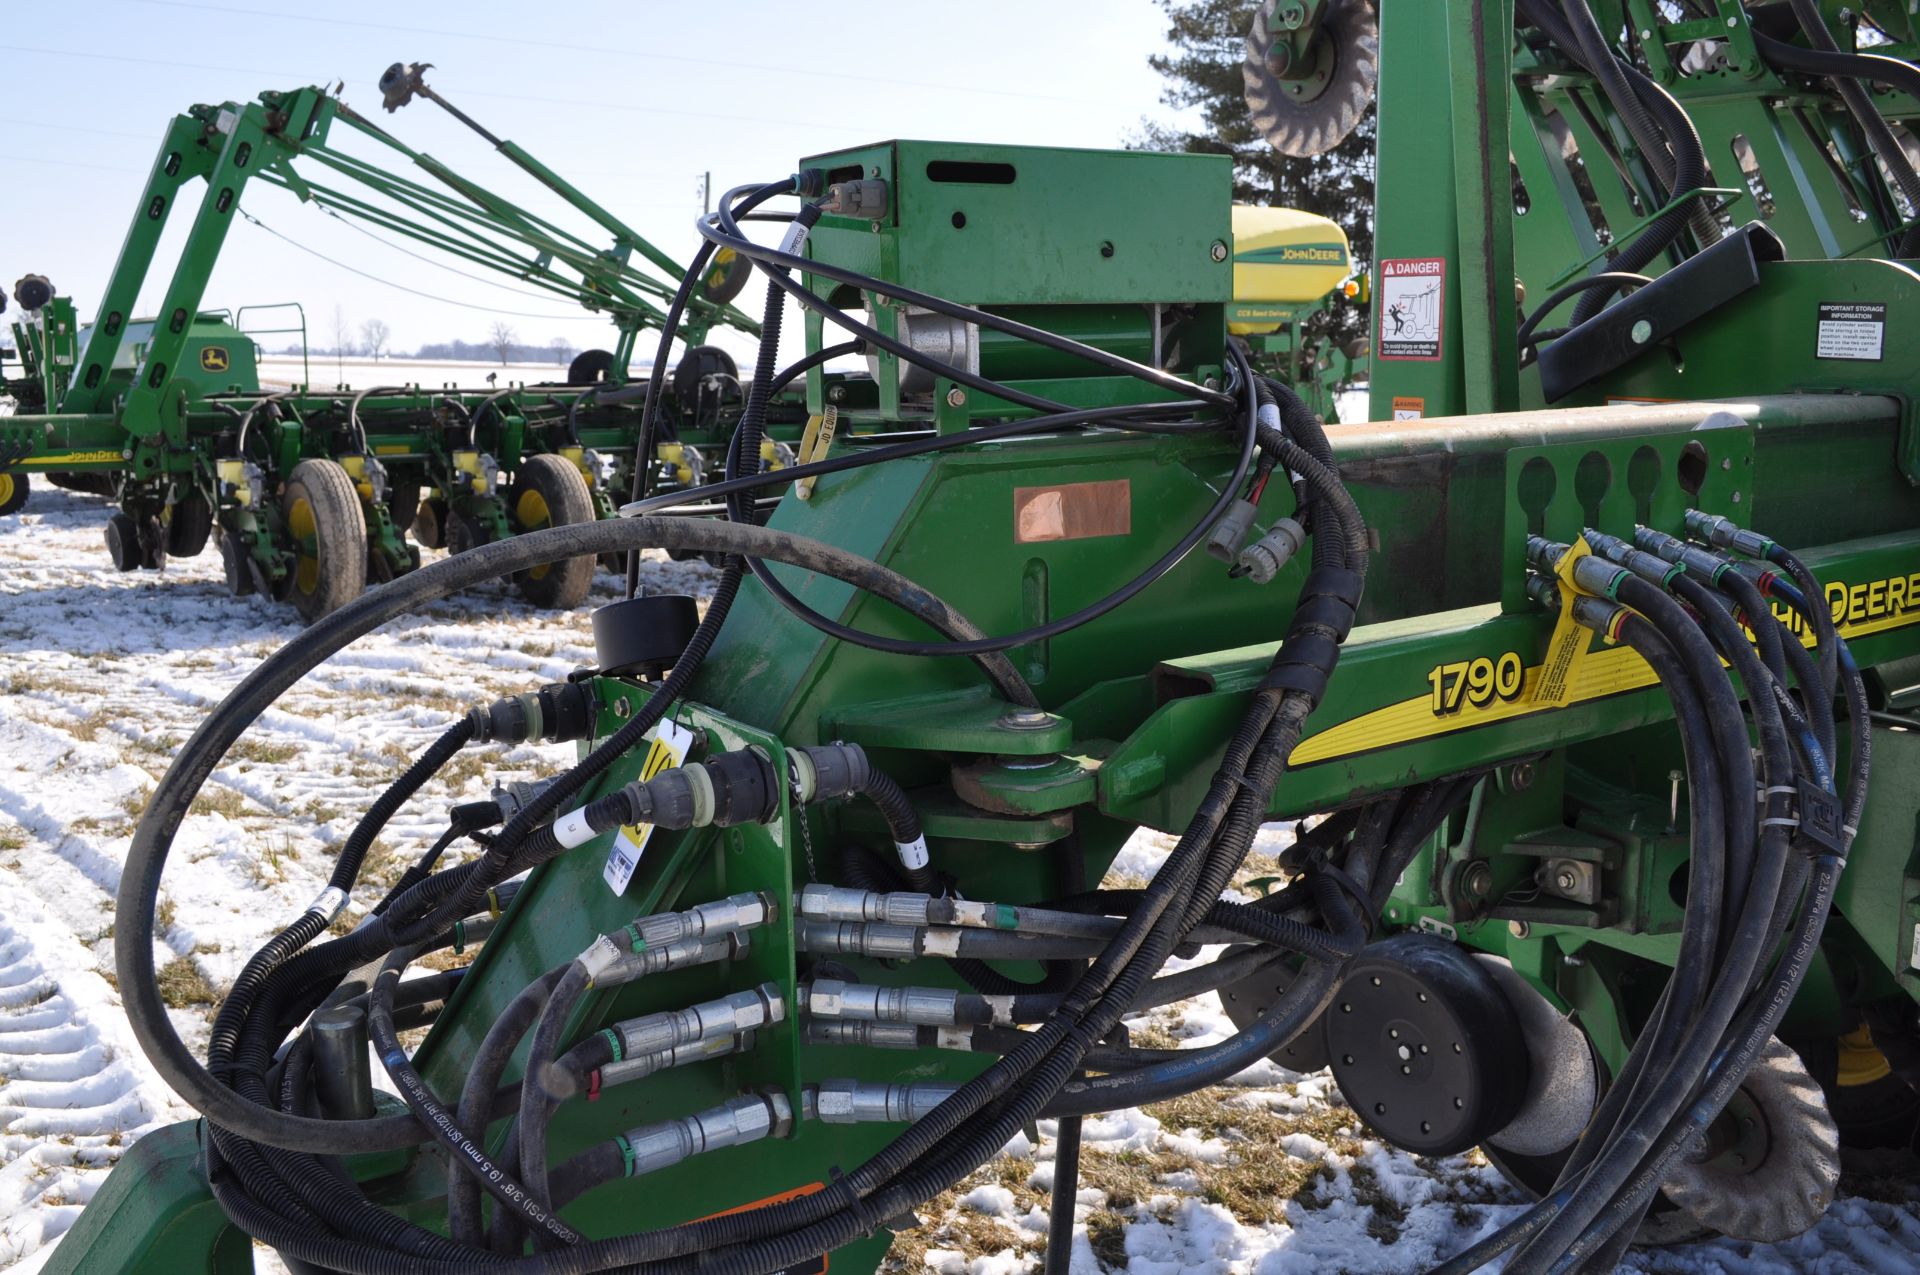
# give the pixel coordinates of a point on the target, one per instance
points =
(1072, 511)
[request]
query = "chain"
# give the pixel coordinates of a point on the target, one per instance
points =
(806, 830)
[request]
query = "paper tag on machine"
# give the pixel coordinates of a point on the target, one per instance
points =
(667, 746)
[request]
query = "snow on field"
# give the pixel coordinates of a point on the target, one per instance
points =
(325, 372)
(105, 675)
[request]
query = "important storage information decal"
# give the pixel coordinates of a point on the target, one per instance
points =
(1852, 330)
(1413, 293)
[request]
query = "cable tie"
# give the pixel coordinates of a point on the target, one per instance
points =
(1789, 789)
(593, 1086)
(1789, 821)
(459, 937)
(1850, 830)
(626, 1152)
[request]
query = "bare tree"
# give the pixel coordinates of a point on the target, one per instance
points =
(502, 338)
(341, 335)
(561, 348)
(376, 335)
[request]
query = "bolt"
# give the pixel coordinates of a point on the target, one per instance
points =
(956, 397)
(1476, 879)
(1025, 719)
(1645, 34)
(1732, 22)
(1219, 250)
(1573, 962)
(1405, 1053)
(1519, 929)
(1520, 776)
(622, 709)
(1735, 498)
(837, 394)
(1726, 462)
(1642, 331)
(1565, 880)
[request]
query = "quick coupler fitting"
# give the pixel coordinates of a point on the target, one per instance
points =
(856, 938)
(921, 1006)
(1231, 531)
(560, 713)
(831, 1031)
(1654, 570)
(635, 1066)
(1543, 592)
(1591, 573)
(825, 771)
(1723, 533)
(610, 965)
(725, 1017)
(734, 913)
(843, 903)
(653, 1147)
(1673, 549)
(861, 1102)
(1262, 560)
(726, 789)
(1598, 614)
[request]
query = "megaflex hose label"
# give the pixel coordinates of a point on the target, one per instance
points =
(1412, 307)
(668, 746)
(1497, 686)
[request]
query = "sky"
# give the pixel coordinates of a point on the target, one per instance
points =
(632, 102)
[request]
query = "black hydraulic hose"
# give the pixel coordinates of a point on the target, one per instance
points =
(1559, 296)
(438, 1121)
(1707, 794)
(1135, 417)
(1846, 71)
(657, 374)
(1228, 493)
(1730, 1067)
(1816, 611)
(903, 825)
(489, 1064)
(719, 227)
(536, 1106)
(1578, 35)
(153, 839)
(1724, 717)
(1771, 633)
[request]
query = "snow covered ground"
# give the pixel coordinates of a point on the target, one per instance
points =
(105, 675)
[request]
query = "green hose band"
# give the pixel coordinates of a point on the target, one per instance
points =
(1613, 585)
(1006, 917)
(613, 1042)
(459, 937)
(633, 935)
(626, 1154)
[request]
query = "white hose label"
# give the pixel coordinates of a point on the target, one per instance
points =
(942, 941)
(572, 828)
(600, 955)
(913, 853)
(331, 903)
(795, 240)
(668, 743)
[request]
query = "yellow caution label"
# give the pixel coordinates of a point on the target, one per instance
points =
(1569, 643)
(669, 746)
(71, 458)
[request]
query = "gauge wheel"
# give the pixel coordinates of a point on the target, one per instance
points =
(547, 492)
(329, 533)
(13, 492)
(189, 523)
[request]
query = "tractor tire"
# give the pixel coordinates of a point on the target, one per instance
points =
(590, 367)
(547, 492)
(13, 492)
(329, 531)
(189, 525)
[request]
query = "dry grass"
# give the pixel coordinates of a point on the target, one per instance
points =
(264, 752)
(183, 986)
(12, 837)
(216, 799)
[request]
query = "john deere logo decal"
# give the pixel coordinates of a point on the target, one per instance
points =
(213, 358)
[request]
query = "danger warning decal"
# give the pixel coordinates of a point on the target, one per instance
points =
(1413, 293)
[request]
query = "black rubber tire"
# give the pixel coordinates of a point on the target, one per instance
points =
(89, 482)
(403, 504)
(188, 525)
(123, 542)
(234, 561)
(322, 507)
(549, 491)
(589, 367)
(429, 525)
(14, 489)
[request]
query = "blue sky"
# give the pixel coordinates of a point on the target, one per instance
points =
(632, 101)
